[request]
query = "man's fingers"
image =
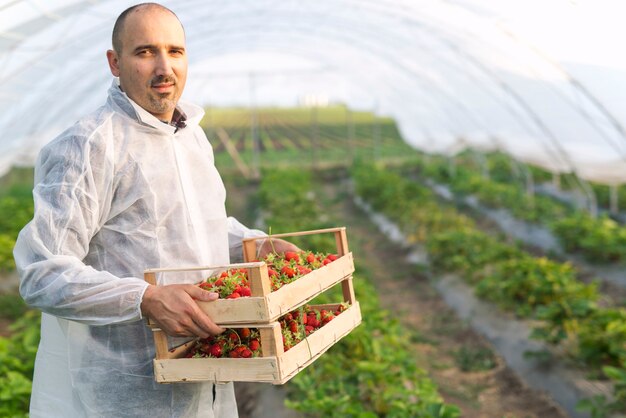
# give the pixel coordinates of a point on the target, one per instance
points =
(200, 294)
(206, 324)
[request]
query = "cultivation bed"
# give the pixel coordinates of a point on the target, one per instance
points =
(509, 336)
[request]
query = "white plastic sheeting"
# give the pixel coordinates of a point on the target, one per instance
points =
(542, 80)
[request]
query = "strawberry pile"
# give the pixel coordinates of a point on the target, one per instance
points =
(245, 342)
(298, 324)
(282, 269)
(239, 343)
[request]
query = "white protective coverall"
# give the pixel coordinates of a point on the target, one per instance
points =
(119, 192)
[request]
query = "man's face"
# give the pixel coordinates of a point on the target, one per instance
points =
(152, 63)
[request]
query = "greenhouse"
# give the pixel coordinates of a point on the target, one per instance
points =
(474, 151)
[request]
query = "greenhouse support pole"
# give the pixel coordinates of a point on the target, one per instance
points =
(376, 133)
(556, 180)
(530, 186)
(350, 131)
(452, 166)
(314, 135)
(256, 170)
(614, 201)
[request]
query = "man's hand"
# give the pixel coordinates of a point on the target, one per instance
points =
(175, 311)
(275, 245)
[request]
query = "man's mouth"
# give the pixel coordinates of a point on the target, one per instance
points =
(163, 87)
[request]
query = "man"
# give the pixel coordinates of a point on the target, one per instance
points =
(129, 187)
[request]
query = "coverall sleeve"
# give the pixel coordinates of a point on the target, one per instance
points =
(236, 233)
(72, 195)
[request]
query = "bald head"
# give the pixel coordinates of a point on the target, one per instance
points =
(120, 23)
(150, 58)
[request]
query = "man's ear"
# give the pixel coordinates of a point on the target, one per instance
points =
(114, 64)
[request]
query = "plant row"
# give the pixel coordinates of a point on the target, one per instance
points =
(598, 239)
(371, 372)
(19, 346)
(505, 169)
(567, 310)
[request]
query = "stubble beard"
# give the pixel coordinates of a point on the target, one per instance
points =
(164, 102)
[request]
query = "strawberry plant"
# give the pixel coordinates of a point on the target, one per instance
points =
(525, 283)
(618, 377)
(599, 240)
(466, 251)
(602, 338)
(17, 362)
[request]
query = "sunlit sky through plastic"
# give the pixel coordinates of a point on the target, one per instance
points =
(542, 79)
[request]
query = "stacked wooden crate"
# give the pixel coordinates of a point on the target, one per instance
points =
(261, 310)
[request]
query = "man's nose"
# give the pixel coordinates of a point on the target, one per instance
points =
(163, 64)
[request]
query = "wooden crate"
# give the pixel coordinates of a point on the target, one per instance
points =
(275, 366)
(265, 306)
(261, 310)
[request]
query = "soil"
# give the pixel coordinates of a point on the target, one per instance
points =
(442, 337)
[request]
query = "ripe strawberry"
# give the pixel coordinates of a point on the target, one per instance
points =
(292, 255)
(312, 321)
(288, 317)
(332, 257)
(245, 353)
(215, 350)
(244, 332)
(233, 336)
(288, 271)
(303, 270)
(237, 351)
(308, 329)
(271, 272)
(233, 295)
(326, 261)
(254, 345)
(245, 291)
(219, 282)
(205, 286)
(293, 326)
(310, 258)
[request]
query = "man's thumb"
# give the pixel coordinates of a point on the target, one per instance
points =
(202, 295)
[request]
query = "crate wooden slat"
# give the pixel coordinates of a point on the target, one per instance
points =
(276, 369)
